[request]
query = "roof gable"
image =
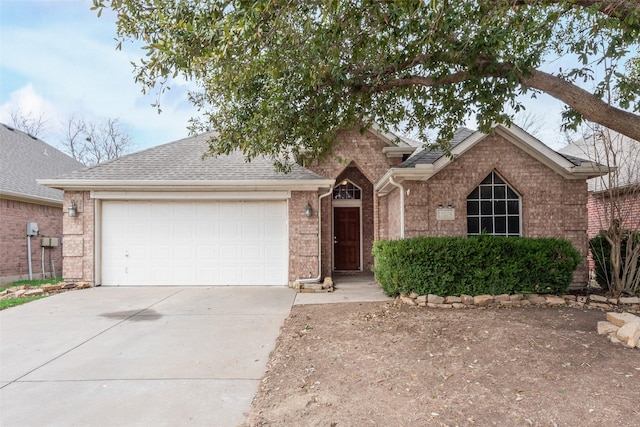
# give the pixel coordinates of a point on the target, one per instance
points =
(427, 163)
(24, 160)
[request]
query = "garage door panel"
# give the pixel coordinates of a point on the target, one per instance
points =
(194, 243)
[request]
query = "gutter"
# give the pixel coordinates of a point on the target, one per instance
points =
(317, 279)
(181, 185)
(401, 188)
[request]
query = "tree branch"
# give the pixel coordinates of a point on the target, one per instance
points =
(588, 105)
(619, 9)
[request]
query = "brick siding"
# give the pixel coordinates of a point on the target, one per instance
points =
(78, 264)
(14, 216)
(552, 206)
(359, 158)
(303, 236)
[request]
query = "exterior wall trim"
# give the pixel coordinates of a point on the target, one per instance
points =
(182, 195)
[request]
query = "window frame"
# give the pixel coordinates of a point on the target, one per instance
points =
(350, 188)
(485, 208)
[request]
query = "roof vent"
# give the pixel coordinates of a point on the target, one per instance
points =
(33, 137)
(8, 127)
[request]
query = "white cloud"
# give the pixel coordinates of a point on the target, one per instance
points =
(67, 65)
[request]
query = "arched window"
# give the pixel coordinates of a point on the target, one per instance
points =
(493, 208)
(346, 190)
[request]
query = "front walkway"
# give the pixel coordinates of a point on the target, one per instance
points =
(347, 289)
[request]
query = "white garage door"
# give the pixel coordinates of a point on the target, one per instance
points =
(194, 243)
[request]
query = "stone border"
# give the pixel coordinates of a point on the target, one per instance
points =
(47, 289)
(631, 304)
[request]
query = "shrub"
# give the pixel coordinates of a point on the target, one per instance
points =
(476, 265)
(628, 276)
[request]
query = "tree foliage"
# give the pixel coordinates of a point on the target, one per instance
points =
(280, 76)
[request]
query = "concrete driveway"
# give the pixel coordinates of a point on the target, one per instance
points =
(159, 356)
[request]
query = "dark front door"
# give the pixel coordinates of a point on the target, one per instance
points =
(346, 241)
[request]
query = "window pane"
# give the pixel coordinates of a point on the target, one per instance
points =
(486, 225)
(514, 225)
(485, 192)
(493, 208)
(473, 208)
(473, 225)
(485, 208)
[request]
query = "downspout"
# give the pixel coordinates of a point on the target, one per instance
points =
(317, 279)
(401, 188)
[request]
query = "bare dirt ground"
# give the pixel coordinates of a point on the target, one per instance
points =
(388, 364)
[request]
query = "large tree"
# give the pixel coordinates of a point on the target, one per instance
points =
(281, 76)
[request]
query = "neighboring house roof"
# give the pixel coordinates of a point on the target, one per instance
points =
(610, 148)
(181, 165)
(426, 163)
(24, 159)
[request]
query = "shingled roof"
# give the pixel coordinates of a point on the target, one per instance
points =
(183, 160)
(25, 159)
(428, 156)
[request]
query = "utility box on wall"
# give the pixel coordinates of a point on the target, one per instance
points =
(32, 229)
(49, 242)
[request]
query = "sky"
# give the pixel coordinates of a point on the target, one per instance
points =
(58, 59)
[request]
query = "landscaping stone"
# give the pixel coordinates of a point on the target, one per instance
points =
(407, 300)
(502, 297)
(435, 299)
(629, 300)
(537, 299)
(509, 303)
(422, 299)
(413, 295)
(49, 287)
(466, 299)
(516, 297)
(620, 319)
(453, 299)
(597, 298)
(552, 301)
(601, 305)
(629, 334)
(605, 327)
(33, 292)
(459, 305)
(482, 300)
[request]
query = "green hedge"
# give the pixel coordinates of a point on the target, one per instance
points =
(475, 265)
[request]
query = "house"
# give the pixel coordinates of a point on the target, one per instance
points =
(24, 159)
(615, 195)
(165, 216)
